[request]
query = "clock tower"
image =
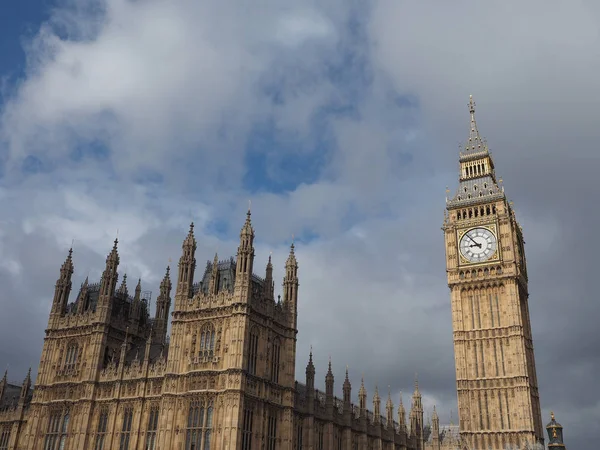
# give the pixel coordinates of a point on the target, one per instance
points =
(498, 398)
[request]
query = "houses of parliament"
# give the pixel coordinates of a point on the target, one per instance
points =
(111, 378)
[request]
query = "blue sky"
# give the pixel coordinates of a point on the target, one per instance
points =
(341, 122)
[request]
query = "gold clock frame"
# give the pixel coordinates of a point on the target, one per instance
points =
(462, 261)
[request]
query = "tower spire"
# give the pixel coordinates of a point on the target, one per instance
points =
(475, 144)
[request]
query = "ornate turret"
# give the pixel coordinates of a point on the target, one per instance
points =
(82, 305)
(123, 291)
(269, 283)
(347, 389)
(3, 383)
(290, 285)
(25, 388)
(389, 407)
(136, 305)
(329, 380)
(435, 430)
(245, 261)
(109, 283)
(377, 406)
(63, 287)
(213, 286)
(163, 306)
(555, 434)
(401, 414)
(362, 398)
(187, 266)
(416, 417)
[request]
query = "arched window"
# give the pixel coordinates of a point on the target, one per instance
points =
(152, 428)
(4, 437)
(199, 426)
(207, 341)
(126, 428)
(253, 351)
(247, 425)
(275, 355)
(272, 432)
(101, 430)
(56, 433)
(71, 356)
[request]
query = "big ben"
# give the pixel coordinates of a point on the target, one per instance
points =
(497, 388)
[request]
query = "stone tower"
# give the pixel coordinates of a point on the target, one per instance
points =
(496, 379)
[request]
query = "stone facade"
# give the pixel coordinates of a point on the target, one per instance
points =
(498, 398)
(110, 378)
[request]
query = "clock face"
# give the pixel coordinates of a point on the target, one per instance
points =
(478, 245)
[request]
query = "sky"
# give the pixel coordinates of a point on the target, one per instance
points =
(340, 121)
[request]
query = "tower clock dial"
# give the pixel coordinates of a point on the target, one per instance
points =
(478, 245)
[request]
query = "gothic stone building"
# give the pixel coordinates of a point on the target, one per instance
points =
(110, 378)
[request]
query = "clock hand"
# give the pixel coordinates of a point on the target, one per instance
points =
(475, 245)
(474, 241)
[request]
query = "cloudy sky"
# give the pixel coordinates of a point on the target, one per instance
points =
(341, 121)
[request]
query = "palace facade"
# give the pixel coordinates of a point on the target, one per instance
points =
(110, 378)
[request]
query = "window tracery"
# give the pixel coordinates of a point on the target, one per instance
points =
(152, 428)
(101, 430)
(199, 426)
(56, 433)
(275, 355)
(126, 428)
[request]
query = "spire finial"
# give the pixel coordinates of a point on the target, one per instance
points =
(552, 415)
(249, 206)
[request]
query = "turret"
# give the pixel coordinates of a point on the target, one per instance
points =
(329, 389)
(401, 414)
(163, 306)
(108, 284)
(245, 261)
(416, 413)
(269, 283)
(377, 406)
(290, 286)
(213, 286)
(25, 388)
(310, 383)
(3, 383)
(389, 408)
(555, 434)
(82, 305)
(347, 388)
(362, 398)
(136, 305)
(187, 266)
(435, 430)
(63, 287)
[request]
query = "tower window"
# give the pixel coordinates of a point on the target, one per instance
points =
(152, 428)
(247, 429)
(199, 427)
(276, 352)
(56, 434)
(71, 357)
(253, 351)
(299, 432)
(272, 432)
(102, 426)
(4, 437)
(207, 341)
(126, 428)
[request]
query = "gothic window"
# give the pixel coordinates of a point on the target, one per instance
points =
(4, 437)
(151, 430)
(71, 357)
(199, 426)
(299, 436)
(247, 429)
(126, 428)
(320, 436)
(272, 432)
(276, 353)
(56, 433)
(101, 430)
(253, 351)
(207, 341)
